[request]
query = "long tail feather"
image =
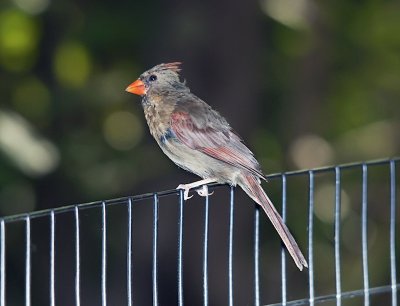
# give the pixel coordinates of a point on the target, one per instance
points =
(252, 187)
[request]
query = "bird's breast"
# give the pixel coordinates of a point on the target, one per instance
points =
(158, 121)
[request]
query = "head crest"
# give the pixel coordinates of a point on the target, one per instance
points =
(175, 66)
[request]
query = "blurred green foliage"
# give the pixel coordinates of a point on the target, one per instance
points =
(324, 78)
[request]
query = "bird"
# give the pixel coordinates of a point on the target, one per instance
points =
(200, 140)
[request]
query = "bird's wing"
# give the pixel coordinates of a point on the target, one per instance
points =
(203, 129)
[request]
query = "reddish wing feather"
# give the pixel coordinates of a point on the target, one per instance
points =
(193, 136)
(224, 146)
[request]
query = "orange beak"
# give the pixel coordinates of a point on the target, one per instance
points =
(137, 88)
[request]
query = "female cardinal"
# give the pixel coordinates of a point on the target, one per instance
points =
(200, 140)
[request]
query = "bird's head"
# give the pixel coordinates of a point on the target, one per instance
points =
(162, 77)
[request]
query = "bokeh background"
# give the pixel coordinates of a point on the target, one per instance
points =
(305, 83)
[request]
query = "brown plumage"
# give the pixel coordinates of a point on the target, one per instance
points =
(200, 140)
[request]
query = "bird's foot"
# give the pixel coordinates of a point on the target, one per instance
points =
(203, 191)
(186, 190)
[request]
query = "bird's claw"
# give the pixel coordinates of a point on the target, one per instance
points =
(186, 190)
(203, 191)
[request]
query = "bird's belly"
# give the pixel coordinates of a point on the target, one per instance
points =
(199, 163)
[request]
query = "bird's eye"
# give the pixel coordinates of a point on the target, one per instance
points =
(152, 78)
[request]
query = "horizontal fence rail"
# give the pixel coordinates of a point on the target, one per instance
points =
(158, 249)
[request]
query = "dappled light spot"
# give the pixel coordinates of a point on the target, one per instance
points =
(310, 151)
(122, 130)
(290, 13)
(324, 203)
(18, 40)
(72, 64)
(375, 140)
(31, 153)
(32, 6)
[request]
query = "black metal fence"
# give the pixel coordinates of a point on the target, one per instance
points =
(155, 249)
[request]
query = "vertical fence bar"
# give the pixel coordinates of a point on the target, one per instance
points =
(283, 253)
(52, 259)
(155, 259)
(230, 255)
(103, 255)
(393, 231)
(205, 253)
(27, 261)
(129, 254)
(337, 236)
(180, 250)
(77, 260)
(310, 238)
(364, 233)
(3, 264)
(257, 255)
